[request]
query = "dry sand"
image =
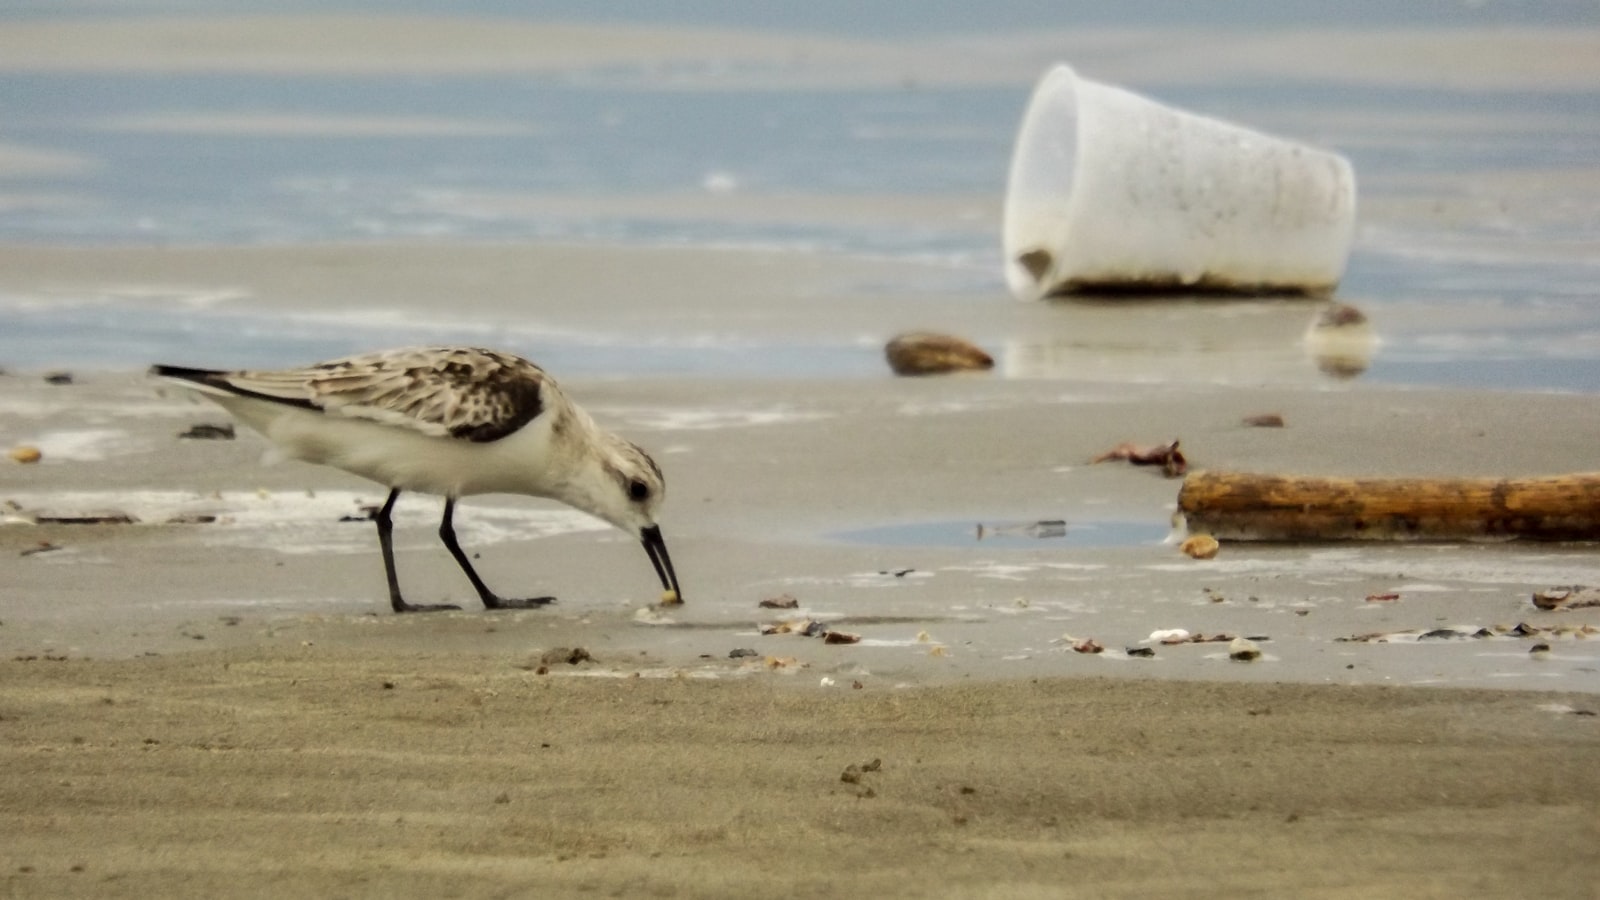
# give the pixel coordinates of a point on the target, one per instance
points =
(228, 709)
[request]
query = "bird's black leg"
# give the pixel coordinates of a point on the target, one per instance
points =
(447, 533)
(386, 542)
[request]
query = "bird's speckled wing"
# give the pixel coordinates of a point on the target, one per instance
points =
(461, 392)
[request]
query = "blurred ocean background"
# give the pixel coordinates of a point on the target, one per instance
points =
(1473, 192)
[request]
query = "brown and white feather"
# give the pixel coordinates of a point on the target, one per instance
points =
(467, 393)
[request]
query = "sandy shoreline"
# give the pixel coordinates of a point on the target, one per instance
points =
(321, 770)
(216, 701)
(194, 709)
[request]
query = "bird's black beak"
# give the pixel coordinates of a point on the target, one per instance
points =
(656, 546)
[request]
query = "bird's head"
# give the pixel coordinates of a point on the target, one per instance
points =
(625, 487)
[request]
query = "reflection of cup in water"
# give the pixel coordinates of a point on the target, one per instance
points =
(1340, 341)
(1110, 190)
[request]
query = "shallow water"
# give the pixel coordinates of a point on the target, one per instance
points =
(1002, 535)
(1468, 196)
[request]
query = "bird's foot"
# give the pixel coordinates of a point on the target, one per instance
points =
(400, 606)
(493, 602)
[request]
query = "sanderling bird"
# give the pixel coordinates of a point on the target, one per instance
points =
(452, 421)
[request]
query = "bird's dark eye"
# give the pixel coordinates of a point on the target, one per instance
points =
(638, 490)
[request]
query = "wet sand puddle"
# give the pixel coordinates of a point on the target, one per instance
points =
(1014, 535)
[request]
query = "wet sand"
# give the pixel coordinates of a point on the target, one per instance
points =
(226, 706)
(322, 770)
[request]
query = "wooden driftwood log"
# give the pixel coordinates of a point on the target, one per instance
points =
(1233, 506)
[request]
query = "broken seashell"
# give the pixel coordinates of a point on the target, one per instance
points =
(25, 454)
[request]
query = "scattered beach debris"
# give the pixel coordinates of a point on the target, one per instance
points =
(192, 519)
(653, 614)
(24, 453)
(1570, 597)
(1200, 546)
(807, 627)
(1141, 652)
(1389, 597)
(1243, 650)
(1042, 529)
(365, 513)
(58, 378)
(782, 663)
(924, 638)
(742, 652)
(206, 431)
(1540, 649)
(1243, 506)
(1263, 420)
(1174, 636)
(108, 517)
(811, 628)
(1463, 632)
(1088, 645)
(782, 601)
(853, 772)
(1167, 456)
(41, 547)
(898, 573)
(929, 353)
(569, 655)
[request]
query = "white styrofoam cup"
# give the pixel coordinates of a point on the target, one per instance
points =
(1110, 190)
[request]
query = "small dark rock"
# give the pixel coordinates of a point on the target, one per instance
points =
(58, 378)
(741, 653)
(208, 432)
